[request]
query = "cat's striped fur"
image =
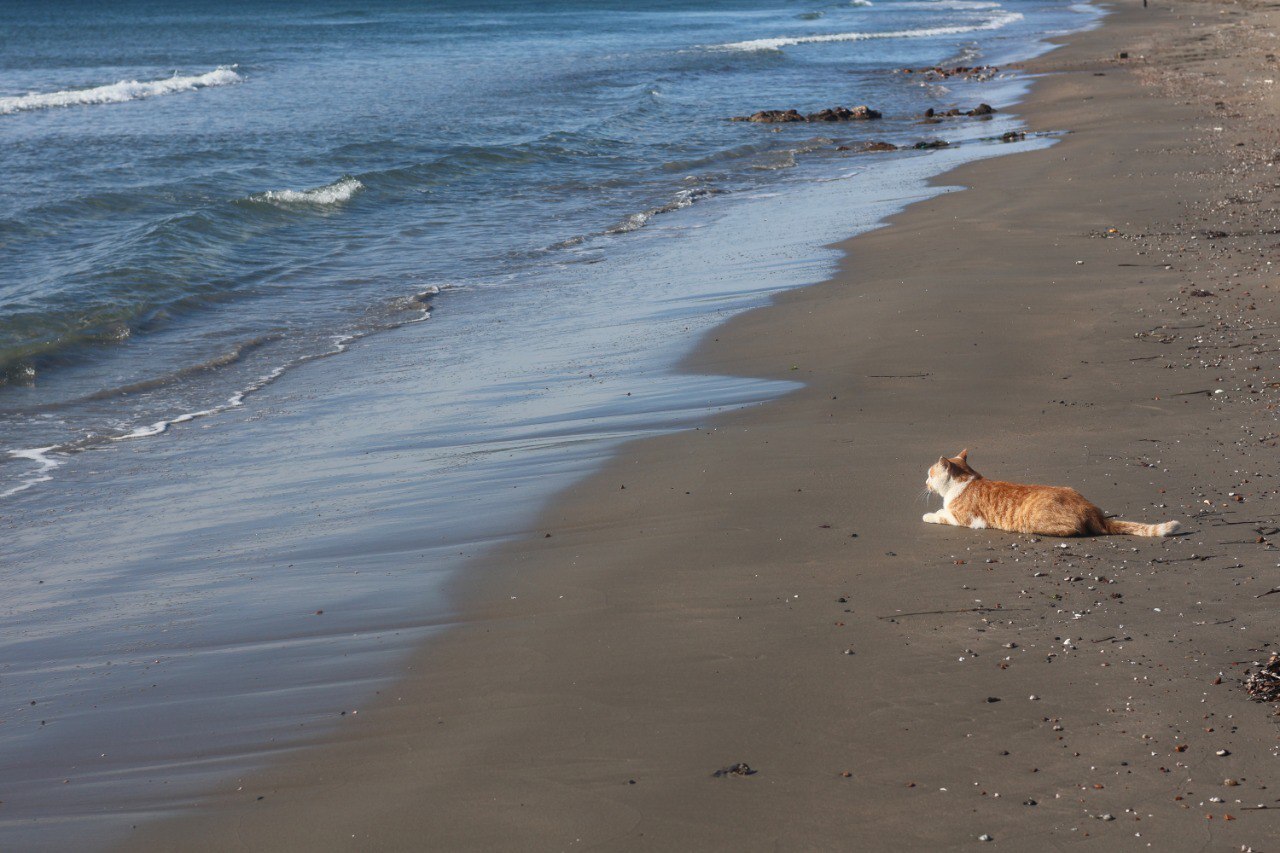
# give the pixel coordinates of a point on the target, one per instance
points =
(971, 500)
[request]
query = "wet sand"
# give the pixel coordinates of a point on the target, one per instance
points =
(762, 589)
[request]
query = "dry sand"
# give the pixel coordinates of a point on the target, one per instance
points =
(763, 590)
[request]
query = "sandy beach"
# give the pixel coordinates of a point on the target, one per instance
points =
(761, 589)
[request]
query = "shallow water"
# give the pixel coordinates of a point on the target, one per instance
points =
(197, 198)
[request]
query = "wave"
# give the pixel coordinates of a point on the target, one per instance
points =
(683, 199)
(993, 23)
(226, 359)
(955, 5)
(118, 93)
(341, 190)
(44, 465)
(46, 459)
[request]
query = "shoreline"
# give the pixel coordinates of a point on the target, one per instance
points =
(657, 639)
(152, 698)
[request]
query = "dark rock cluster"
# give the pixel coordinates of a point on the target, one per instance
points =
(859, 113)
(979, 110)
(967, 72)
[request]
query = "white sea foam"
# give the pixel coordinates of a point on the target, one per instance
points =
(337, 192)
(118, 93)
(957, 5)
(44, 462)
(682, 199)
(993, 23)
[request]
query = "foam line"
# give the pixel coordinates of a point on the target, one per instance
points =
(993, 23)
(119, 93)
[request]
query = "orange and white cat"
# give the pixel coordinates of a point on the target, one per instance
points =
(971, 500)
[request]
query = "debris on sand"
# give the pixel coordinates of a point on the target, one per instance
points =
(739, 769)
(1264, 685)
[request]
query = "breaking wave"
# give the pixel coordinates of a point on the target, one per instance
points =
(118, 93)
(337, 192)
(45, 459)
(683, 199)
(993, 23)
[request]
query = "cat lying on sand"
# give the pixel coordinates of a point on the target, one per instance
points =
(971, 500)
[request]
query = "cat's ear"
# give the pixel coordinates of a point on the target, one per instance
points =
(964, 455)
(947, 464)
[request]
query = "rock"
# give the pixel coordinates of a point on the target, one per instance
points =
(956, 112)
(771, 117)
(859, 113)
(879, 146)
(1013, 136)
(976, 72)
(739, 769)
(926, 144)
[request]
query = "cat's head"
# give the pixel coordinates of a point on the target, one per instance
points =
(946, 474)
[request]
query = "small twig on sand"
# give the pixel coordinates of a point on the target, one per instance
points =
(1268, 592)
(1204, 391)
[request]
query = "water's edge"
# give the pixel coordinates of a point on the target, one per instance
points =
(544, 454)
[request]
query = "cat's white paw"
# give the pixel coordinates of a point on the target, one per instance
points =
(931, 518)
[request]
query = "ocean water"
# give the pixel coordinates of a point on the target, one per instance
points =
(307, 304)
(197, 198)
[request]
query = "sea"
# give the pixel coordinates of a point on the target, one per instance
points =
(282, 278)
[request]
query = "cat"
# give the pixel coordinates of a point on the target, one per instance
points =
(971, 500)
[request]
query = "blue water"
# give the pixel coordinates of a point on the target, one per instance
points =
(197, 197)
(306, 305)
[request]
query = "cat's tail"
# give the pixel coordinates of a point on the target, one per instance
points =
(1133, 528)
